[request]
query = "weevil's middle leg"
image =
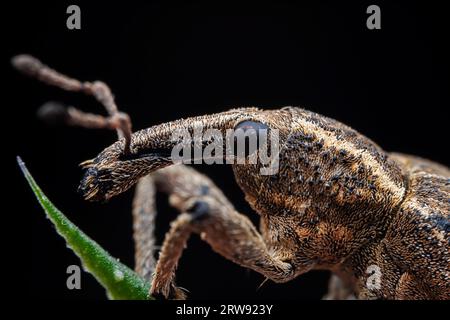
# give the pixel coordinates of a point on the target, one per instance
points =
(144, 214)
(207, 212)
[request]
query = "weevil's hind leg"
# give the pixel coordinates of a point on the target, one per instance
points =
(144, 214)
(337, 290)
(207, 212)
(116, 120)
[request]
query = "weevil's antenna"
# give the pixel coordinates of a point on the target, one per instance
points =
(116, 120)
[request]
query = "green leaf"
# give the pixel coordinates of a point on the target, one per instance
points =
(120, 282)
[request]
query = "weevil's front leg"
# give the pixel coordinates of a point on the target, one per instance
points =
(207, 212)
(229, 233)
(174, 243)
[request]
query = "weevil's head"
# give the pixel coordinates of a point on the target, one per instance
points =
(113, 172)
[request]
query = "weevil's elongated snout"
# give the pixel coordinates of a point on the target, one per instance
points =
(102, 181)
(113, 171)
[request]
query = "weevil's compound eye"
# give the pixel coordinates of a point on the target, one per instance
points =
(255, 125)
(247, 136)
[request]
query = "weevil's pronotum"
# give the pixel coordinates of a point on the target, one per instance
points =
(338, 201)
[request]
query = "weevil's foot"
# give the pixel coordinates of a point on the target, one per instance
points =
(177, 293)
(174, 293)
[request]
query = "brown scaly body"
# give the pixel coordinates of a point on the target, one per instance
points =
(338, 202)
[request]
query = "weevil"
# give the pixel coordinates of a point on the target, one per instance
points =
(338, 202)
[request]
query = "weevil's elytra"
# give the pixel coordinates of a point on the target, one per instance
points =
(338, 202)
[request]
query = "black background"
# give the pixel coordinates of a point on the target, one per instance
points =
(167, 61)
